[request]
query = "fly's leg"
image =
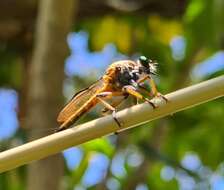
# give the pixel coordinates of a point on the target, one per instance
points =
(154, 92)
(115, 104)
(108, 106)
(133, 91)
(108, 95)
(145, 90)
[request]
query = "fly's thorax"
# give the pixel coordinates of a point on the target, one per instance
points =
(128, 72)
(126, 75)
(124, 63)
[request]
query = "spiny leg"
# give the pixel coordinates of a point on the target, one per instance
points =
(133, 91)
(115, 103)
(154, 89)
(141, 87)
(154, 92)
(109, 107)
(109, 95)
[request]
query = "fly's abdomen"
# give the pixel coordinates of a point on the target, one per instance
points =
(81, 102)
(76, 116)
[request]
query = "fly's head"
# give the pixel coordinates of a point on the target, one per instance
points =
(147, 66)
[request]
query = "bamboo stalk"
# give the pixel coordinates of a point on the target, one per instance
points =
(131, 117)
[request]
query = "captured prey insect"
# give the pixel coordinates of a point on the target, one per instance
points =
(122, 78)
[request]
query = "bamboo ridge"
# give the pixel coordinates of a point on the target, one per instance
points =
(179, 100)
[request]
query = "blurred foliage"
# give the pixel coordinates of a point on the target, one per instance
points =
(11, 69)
(100, 145)
(198, 130)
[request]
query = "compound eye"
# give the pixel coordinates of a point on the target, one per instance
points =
(144, 61)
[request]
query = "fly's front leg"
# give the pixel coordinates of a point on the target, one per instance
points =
(145, 90)
(133, 91)
(150, 93)
(154, 92)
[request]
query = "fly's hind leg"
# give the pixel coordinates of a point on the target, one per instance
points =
(114, 104)
(108, 106)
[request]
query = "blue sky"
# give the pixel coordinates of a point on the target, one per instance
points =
(88, 62)
(8, 112)
(209, 66)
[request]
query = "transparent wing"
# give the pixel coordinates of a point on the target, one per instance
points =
(78, 100)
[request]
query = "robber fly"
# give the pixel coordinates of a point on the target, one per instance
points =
(122, 78)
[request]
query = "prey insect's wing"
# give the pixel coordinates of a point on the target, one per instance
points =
(78, 100)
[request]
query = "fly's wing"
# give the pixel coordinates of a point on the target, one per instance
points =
(78, 100)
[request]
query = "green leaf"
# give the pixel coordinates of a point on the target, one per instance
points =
(102, 145)
(194, 9)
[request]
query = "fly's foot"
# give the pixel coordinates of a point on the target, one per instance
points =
(151, 103)
(159, 95)
(116, 133)
(115, 119)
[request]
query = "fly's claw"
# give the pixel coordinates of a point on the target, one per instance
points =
(151, 103)
(116, 120)
(159, 95)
